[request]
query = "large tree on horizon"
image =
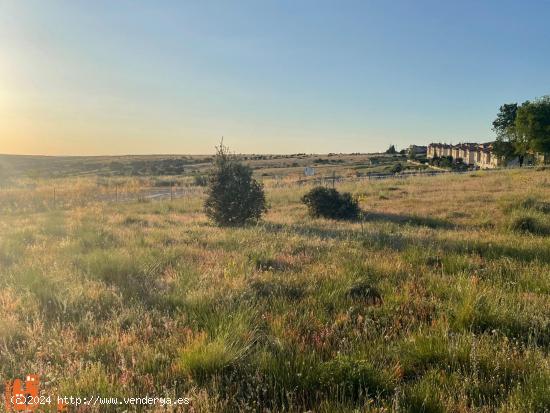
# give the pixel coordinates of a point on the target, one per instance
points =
(523, 129)
(532, 125)
(504, 126)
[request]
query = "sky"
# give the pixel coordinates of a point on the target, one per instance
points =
(110, 77)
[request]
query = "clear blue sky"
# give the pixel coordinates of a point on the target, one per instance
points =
(120, 76)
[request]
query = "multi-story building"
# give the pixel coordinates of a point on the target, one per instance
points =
(473, 154)
(481, 155)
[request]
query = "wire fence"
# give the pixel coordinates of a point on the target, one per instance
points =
(332, 180)
(48, 197)
(152, 193)
(66, 196)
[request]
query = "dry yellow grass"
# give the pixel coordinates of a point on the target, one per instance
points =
(150, 298)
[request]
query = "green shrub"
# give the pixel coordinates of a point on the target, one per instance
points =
(397, 168)
(234, 197)
(329, 203)
(527, 223)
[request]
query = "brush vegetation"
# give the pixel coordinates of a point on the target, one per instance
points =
(438, 301)
(329, 203)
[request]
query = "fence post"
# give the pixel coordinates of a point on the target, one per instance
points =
(54, 198)
(171, 191)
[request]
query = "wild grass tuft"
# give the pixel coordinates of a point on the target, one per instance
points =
(527, 222)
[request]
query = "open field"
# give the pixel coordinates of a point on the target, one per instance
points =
(14, 167)
(438, 301)
(40, 183)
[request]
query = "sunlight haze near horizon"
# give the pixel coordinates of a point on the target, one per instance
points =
(132, 77)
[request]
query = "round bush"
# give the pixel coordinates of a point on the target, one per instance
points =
(397, 168)
(329, 203)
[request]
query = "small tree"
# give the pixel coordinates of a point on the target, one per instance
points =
(391, 150)
(234, 197)
(329, 203)
(397, 168)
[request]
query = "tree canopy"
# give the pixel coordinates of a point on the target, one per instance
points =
(533, 125)
(391, 150)
(504, 124)
(523, 129)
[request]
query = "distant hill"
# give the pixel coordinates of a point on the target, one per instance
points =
(132, 165)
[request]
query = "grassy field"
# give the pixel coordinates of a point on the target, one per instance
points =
(15, 167)
(437, 302)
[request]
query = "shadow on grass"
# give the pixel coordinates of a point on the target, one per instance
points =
(380, 240)
(416, 220)
(484, 249)
(310, 231)
(321, 232)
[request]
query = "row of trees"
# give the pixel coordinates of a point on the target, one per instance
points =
(523, 129)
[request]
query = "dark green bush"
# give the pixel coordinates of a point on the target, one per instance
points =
(329, 203)
(391, 150)
(234, 197)
(397, 168)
